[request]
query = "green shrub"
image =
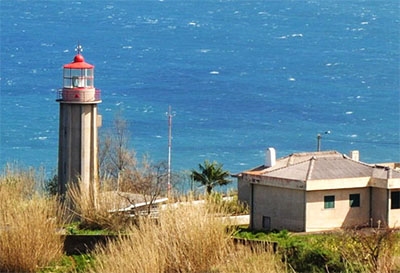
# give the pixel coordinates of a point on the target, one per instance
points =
(230, 206)
(70, 264)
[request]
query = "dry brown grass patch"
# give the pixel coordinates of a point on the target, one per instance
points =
(96, 215)
(183, 239)
(28, 223)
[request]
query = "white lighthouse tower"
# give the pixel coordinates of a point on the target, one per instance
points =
(79, 120)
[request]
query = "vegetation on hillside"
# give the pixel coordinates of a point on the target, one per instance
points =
(29, 223)
(182, 237)
(185, 238)
(351, 250)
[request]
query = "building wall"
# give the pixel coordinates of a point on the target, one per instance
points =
(78, 147)
(285, 208)
(243, 189)
(394, 218)
(339, 183)
(342, 215)
(69, 156)
(380, 206)
(278, 203)
(89, 153)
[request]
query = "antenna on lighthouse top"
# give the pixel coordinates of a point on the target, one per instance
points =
(79, 48)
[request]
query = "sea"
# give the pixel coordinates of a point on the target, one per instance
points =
(239, 75)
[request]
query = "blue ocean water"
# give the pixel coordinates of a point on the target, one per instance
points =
(240, 76)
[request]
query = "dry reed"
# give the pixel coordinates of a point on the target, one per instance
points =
(185, 238)
(96, 215)
(28, 223)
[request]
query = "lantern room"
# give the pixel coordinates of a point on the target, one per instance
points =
(78, 74)
(78, 82)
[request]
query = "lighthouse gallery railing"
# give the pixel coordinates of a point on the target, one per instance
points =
(78, 95)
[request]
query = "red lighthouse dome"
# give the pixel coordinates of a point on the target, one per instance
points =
(79, 58)
(79, 63)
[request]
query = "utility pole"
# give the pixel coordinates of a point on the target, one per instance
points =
(170, 115)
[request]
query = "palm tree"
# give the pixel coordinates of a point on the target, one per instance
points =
(211, 174)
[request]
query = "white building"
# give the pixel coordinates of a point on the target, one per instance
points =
(320, 191)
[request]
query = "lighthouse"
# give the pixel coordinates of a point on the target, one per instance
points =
(78, 131)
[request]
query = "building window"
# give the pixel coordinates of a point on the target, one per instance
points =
(329, 201)
(395, 196)
(354, 200)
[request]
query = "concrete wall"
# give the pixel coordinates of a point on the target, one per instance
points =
(69, 156)
(78, 147)
(243, 191)
(348, 183)
(284, 207)
(379, 205)
(342, 215)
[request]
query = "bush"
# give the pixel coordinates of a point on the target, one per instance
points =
(51, 186)
(369, 250)
(231, 206)
(349, 250)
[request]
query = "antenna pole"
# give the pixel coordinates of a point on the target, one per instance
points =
(79, 48)
(319, 142)
(319, 137)
(169, 149)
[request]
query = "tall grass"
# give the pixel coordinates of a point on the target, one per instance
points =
(185, 238)
(96, 216)
(28, 223)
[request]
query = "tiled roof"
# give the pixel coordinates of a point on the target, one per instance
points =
(383, 172)
(315, 166)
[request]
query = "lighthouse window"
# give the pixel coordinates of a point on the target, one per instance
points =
(67, 82)
(89, 81)
(67, 78)
(89, 72)
(78, 78)
(76, 72)
(67, 73)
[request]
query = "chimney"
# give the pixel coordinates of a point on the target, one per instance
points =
(270, 157)
(389, 172)
(355, 155)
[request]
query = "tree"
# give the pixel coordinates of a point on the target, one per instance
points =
(118, 165)
(51, 186)
(114, 154)
(210, 175)
(146, 179)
